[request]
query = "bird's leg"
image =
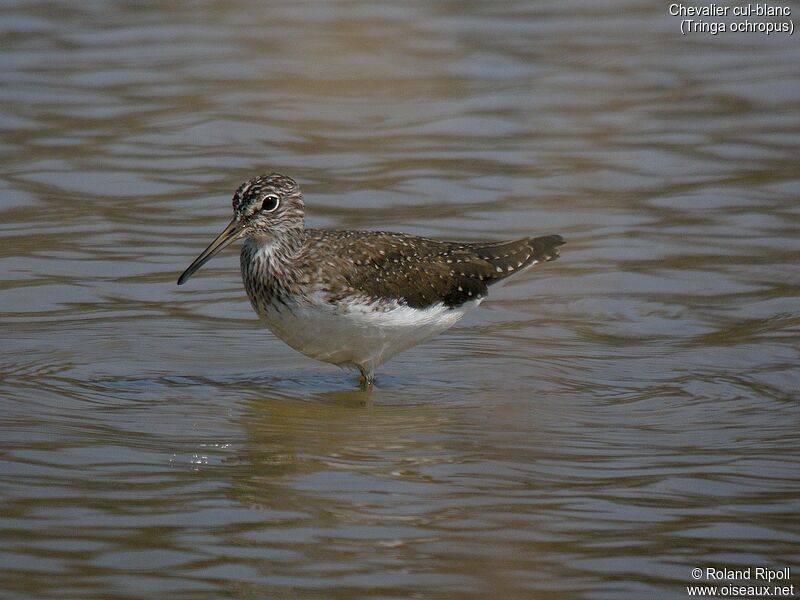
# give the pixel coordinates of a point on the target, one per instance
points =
(367, 378)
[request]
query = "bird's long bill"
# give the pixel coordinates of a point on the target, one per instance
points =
(229, 235)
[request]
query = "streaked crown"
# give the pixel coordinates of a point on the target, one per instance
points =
(269, 205)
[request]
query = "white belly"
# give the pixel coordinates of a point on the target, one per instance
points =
(359, 334)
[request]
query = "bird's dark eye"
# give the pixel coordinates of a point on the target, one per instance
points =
(270, 203)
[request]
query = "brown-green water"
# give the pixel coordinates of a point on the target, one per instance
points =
(598, 428)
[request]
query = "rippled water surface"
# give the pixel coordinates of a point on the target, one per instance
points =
(598, 428)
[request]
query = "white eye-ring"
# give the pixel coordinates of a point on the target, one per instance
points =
(270, 203)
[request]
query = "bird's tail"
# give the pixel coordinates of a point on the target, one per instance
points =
(507, 258)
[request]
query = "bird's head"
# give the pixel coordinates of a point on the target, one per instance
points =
(267, 207)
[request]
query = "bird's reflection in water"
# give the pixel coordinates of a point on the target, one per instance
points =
(297, 448)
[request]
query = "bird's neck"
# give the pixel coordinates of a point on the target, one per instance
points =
(286, 242)
(272, 256)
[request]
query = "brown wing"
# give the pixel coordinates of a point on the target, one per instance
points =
(421, 272)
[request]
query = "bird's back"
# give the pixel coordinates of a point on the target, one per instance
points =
(417, 272)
